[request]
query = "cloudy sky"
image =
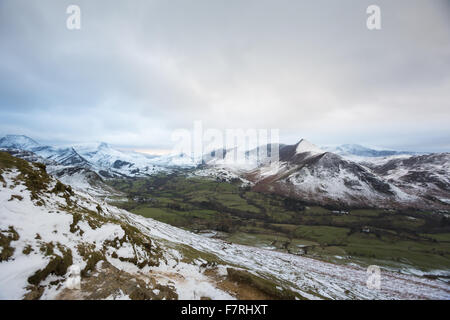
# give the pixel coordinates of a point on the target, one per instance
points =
(137, 70)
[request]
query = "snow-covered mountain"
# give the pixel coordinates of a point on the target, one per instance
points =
(302, 170)
(62, 156)
(425, 175)
(20, 142)
(309, 173)
(50, 233)
(97, 157)
(356, 150)
(110, 162)
(174, 160)
(241, 161)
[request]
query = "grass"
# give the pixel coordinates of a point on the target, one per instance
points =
(324, 235)
(36, 181)
(439, 237)
(6, 237)
(269, 288)
(57, 265)
(416, 239)
(176, 218)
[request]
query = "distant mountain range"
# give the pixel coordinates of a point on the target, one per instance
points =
(99, 157)
(361, 151)
(377, 178)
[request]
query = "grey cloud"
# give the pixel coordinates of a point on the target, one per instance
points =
(137, 70)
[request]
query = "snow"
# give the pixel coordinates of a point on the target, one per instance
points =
(104, 156)
(118, 296)
(53, 224)
(330, 280)
(175, 160)
(373, 160)
(274, 168)
(221, 173)
(355, 151)
(306, 146)
(191, 284)
(99, 156)
(17, 142)
(13, 276)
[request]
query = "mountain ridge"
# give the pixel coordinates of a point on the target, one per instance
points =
(302, 170)
(361, 151)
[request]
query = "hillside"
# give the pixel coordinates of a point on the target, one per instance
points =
(47, 226)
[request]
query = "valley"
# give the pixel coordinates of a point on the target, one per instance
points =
(405, 240)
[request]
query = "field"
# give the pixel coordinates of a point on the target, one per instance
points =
(394, 239)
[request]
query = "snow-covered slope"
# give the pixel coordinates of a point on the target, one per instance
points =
(62, 156)
(304, 146)
(83, 179)
(425, 175)
(234, 164)
(46, 229)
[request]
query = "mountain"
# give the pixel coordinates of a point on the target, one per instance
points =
(100, 158)
(174, 160)
(50, 232)
(84, 179)
(306, 172)
(348, 150)
(424, 175)
(110, 162)
(241, 160)
(29, 156)
(20, 142)
(302, 171)
(62, 156)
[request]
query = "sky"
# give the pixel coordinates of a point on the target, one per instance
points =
(138, 70)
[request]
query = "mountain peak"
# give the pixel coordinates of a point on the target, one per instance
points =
(103, 145)
(305, 146)
(15, 141)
